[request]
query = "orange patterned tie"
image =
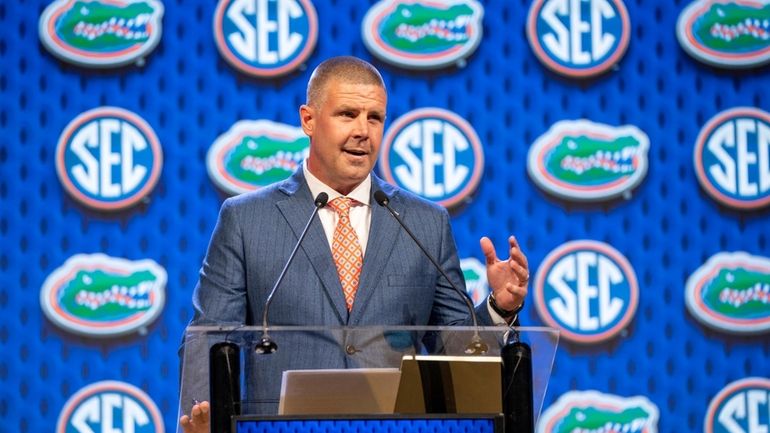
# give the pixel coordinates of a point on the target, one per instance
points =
(346, 250)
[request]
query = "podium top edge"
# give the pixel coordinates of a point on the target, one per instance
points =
(483, 329)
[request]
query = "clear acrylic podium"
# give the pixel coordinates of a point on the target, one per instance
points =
(220, 364)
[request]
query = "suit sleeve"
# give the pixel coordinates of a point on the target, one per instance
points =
(448, 308)
(220, 295)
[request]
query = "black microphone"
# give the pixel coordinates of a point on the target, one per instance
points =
(266, 344)
(476, 346)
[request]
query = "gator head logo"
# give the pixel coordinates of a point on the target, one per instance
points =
(102, 34)
(586, 161)
(265, 38)
(433, 153)
(475, 275)
(97, 295)
(578, 38)
(726, 33)
(588, 290)
(732, 158)
(108, 158)
(423, 34)
(731, 292)
(593, 411)
(742, 406)
(110, 406)
(256, 153)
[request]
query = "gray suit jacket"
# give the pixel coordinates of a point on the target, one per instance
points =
(253, 239)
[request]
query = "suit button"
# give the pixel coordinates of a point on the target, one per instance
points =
(350, 349)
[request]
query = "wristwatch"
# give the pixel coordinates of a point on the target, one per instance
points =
(505, 314)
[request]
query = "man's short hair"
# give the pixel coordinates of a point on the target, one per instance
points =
(347, 69)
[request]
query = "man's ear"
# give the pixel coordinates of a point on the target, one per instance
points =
(307, 119)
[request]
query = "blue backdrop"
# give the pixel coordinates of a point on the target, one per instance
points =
(190, 95)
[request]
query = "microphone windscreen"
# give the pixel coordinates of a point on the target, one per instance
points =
(381, 198)
(321, 200)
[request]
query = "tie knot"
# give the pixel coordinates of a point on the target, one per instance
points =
(342, 205)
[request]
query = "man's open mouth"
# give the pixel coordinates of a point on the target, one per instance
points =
(356, 152)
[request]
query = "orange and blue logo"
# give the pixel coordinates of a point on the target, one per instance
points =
(578, 39)
(255, 153)
(726, 33)
(741, 406)
(731, 292)
(265, 38)
(110, 406)
(587, 161)
(423, 34)
(101, 33)
(108, 158)
(100, 296)
(732, 158)
(594, 411)
(433, 153)
(588, 290)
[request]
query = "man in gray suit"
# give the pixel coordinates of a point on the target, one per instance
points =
(386, 279)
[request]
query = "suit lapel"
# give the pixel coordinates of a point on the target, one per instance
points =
(296, 209)
(383, 232)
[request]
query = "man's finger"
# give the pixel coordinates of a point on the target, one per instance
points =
(184, 421)
(200, 413)
(516, 254)
(489, 250)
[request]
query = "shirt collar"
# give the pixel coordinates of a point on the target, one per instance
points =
(360, 193)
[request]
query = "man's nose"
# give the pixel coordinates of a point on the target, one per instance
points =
(361, 127)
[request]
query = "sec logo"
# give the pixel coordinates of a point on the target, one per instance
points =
(110, 406)
(265, 38)
(578, 38)
(588, 290)
(741, 407)
(433, 153)
(108, 158)
(732, 158)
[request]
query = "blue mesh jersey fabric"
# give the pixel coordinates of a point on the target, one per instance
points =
(190, 95)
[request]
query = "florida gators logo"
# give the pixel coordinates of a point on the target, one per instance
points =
(433, 153)
(732, 158)
(731, 292)
(742, 406)
(423, 34)
(265, 38)
(108, 158)
(256, 153)
(98, 295)
(578, 38)
(475, 276)
(588, 290)
(726, 33)
(594, 411)
(587, 161)
(101, 33)
(110, 406)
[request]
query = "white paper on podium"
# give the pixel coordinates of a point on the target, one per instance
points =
(339, 391)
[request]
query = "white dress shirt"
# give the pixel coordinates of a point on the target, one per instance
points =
(360, 213)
